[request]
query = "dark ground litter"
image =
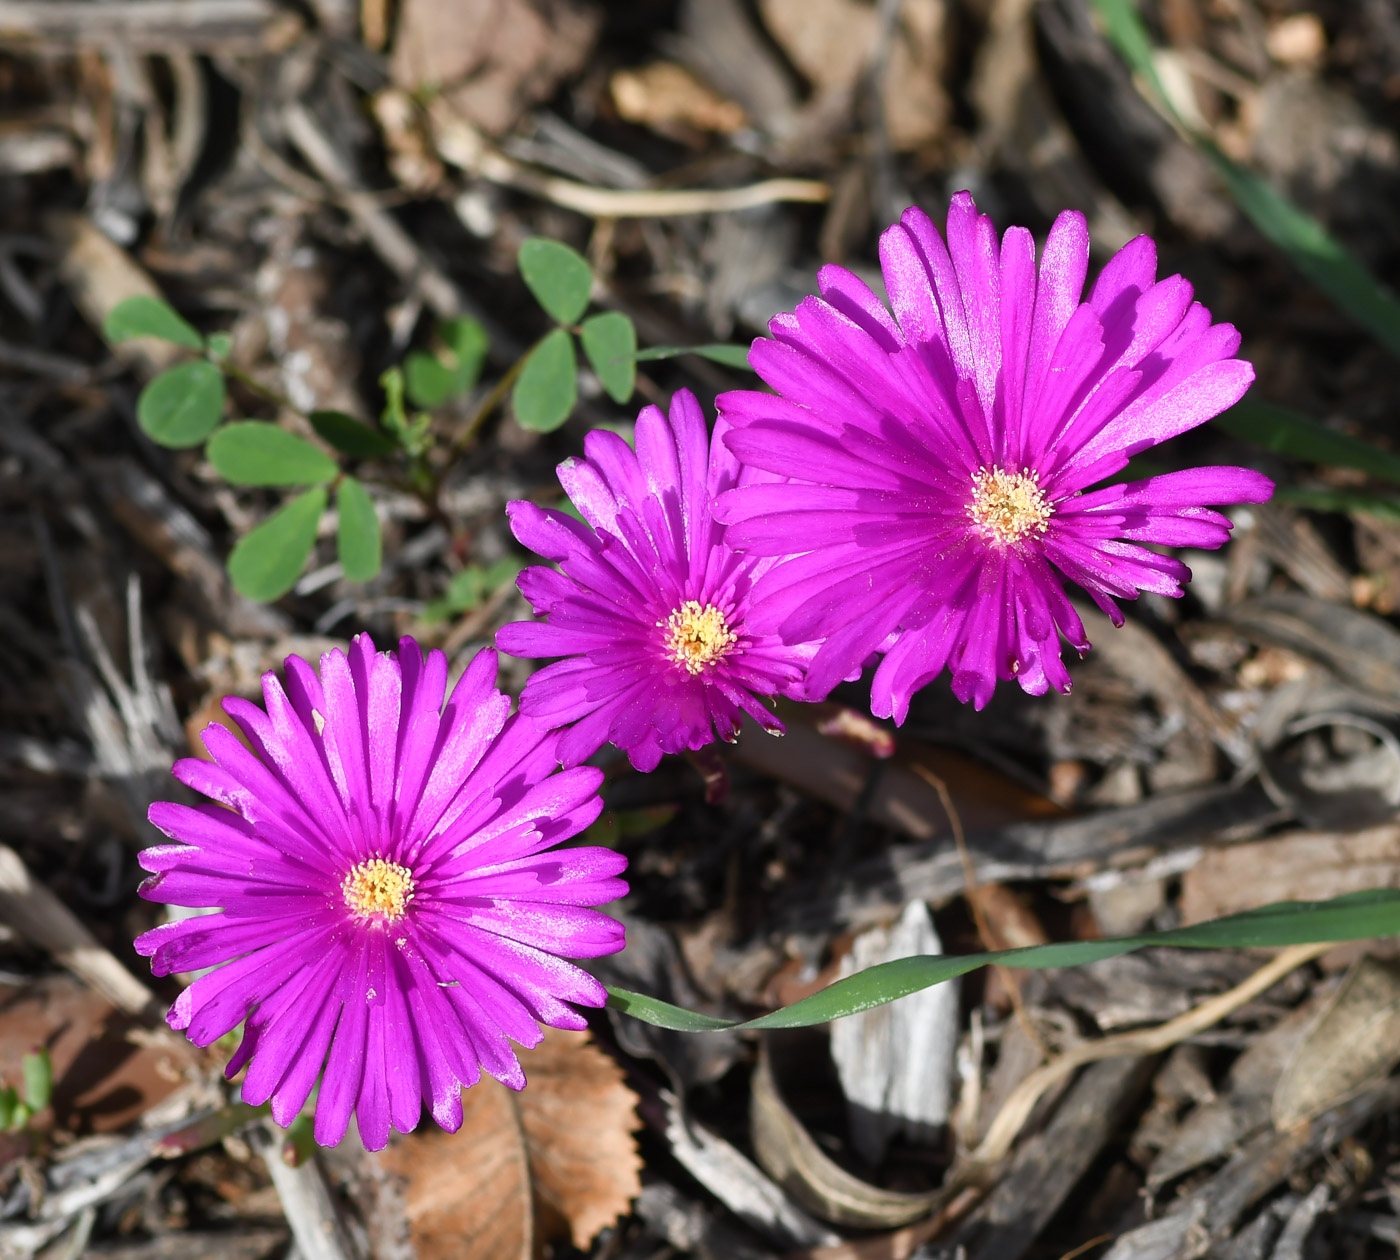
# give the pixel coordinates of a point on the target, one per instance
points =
(264, 165)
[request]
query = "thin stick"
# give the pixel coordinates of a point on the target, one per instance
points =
(463, 145)
(1018, 1107)
(970, 1179)
(490, 402)
(979, 915)
(41, 918)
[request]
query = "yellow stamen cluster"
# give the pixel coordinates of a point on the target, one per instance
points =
(378, 888)
(697, 636)
(1008, 506)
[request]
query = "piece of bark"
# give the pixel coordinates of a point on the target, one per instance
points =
(741, 1186)
(1354, 1041)
(689, 1226)
(222, 26)
(1358, 647)
(315, 1221)
(1111, 119)
(37, 915)
(896, 1061)
(1021, 127)
(400, 252)
(1207, 1216)
(1295, 866)
(146, 509)
(100, 274)
(1060, 848)
(230, 1244)
(1046, 1167)
(1216, 1126)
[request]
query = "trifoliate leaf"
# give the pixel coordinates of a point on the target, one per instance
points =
(253, 453)
(147, 316)
(267, 562)
(559, 277)
(182, 406)
(357, 539)
(548, 385)
(350, 436)
(610, 342)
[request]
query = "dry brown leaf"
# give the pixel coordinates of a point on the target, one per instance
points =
(833, 42)
(1356, 1040)
(665, 95)
(557, 1159)
(102, 1079)
(493, 59)
(830, 41)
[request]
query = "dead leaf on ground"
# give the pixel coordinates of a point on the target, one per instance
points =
(556, 1160)
(492, 59)
(1356, 1040)
(103, 1080)
(791, 1156)
(833, 43)
(665, 95)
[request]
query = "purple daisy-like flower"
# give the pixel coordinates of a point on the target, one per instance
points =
(938, 464)
(392, 902)
(650, 607)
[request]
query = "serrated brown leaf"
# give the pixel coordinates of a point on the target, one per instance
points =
(556, 1159)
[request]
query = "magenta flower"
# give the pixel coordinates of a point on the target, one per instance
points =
(941, 461)
(393, 903)
(651, 609)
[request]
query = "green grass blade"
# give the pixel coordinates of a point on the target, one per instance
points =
(1345, 501)
(1292, 434)
(1356, 916)
(1311, 248)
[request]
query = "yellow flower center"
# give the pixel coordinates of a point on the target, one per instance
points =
(1008, 506)
(697, 636)
(378, 888)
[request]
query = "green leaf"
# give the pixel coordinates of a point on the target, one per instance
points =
(1345, 501)
(1356, 916)
(1314, 251)
(470, 587)
(719, 352)
(357, 540)
(467, 342)
(545, 391)
(1125, 30)
(300, 1143)
(220, 343)
(610, 342)
(182, 406)
(267, 562)
(432, 379)
(1297, 436)
(429, 382)
(351, 437)
(412, 434)
(9, 1100)
(147, 316)
(254, 453)
(559, 277)
(36, 1069)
